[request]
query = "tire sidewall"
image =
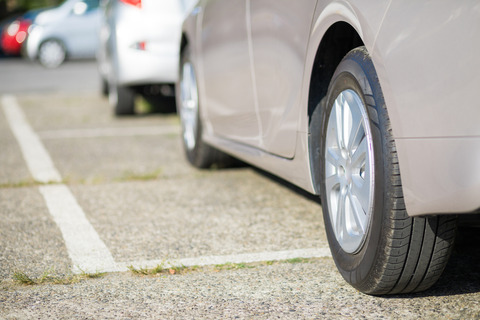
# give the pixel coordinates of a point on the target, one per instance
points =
(356, 72)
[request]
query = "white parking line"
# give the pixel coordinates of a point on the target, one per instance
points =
(36, 156)
(234, 258)
(87, 251)
(85, 247)
(110, 132)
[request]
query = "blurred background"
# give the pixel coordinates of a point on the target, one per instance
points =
(10, 7)
(130, 49)
(19, 17)
(22, 11)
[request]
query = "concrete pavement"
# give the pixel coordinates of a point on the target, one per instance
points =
(133, 187)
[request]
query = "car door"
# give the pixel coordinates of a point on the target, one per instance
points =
(229, 91)
(280, 34)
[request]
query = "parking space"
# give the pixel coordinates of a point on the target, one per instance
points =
(131, 181)
(29, 238)
(127, 197)
(214, 214)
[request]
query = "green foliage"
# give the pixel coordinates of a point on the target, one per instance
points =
(233, 266)
(49, 277)
(162, 269)
(24, 5)
(133, 176)
(23, 278)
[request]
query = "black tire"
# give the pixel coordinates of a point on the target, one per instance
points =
(398, 253)
(52, 53)
(122, 99)
(104, 87)
(198, 153)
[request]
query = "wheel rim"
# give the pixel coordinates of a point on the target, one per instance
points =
(51, 54)
(349, 171)
(189, 107)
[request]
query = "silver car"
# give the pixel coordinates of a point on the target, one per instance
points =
(68, 31)
(139, 49)
(373, 105)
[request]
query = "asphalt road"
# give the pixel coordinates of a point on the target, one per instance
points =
(119, 199)
(18, 76)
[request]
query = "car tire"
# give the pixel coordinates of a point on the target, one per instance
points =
(104, 87)
(122, 99)
(52, 53)
(377, 247)
(198, 153)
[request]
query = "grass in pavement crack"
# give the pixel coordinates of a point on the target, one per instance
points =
(167, 268)
(49, 277)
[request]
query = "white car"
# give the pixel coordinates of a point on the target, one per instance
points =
(139, 49)
(370, 104)
(68, 31)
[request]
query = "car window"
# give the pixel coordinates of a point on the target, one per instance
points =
(92, 4)
(85, 6)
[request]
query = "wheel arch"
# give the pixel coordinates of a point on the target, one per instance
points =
(53, 38)
(184, 42)
(189, 29)
(337, 41)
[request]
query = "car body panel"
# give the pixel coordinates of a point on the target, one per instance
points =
(429, 81)
(230, 97)
(420, 66)
(425, 55)
(278, 36)
(440, 175)
(14, 35)
(15, 30)
(140, 46)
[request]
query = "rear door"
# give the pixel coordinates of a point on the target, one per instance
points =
(229, 91)
(280, 33)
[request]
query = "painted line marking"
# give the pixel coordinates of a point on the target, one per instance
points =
(36, 156)
(85, 248)
(234, 258)
(110, 132)
(87, 251)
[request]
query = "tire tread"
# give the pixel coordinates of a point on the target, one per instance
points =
(429, 240)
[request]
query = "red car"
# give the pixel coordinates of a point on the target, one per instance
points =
(14, 34)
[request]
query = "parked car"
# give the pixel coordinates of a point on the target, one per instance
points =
(67, 31)
(15, 32)
(139, 49)
(4, 23)
(371, 105)
(13, 36)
